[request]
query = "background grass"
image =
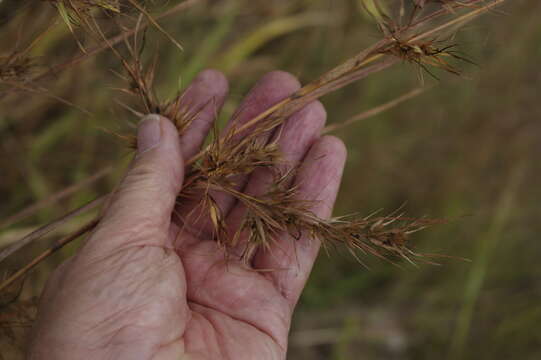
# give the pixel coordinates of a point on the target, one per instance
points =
(465, 151)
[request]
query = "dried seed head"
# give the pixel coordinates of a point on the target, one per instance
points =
(79, 12)
(426, 54)
(16, 67)
(279, 211)
(405, 45)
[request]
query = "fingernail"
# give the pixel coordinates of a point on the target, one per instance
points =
(149, 133)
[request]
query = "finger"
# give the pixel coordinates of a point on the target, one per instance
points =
(294, 139)
(318, 180)
(271, 89)
(205, 97)
(139, 213)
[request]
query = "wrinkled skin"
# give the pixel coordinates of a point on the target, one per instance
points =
(143, 288)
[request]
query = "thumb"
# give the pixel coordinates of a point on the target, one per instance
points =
(141, 207)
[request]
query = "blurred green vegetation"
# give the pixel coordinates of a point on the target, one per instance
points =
(464, 151)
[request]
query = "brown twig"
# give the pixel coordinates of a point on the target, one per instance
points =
(46, 229)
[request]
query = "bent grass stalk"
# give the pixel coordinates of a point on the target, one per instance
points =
(376, 111)
(59, 244)
(48, 228)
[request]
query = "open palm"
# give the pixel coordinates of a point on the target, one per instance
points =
(143, 287)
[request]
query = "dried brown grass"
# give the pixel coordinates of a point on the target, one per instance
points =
(414, 38)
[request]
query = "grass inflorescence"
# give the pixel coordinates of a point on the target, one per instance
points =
(76, 13)
(414, 37)
(16, 67)
(279, 211)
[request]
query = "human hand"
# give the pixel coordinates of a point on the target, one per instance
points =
(142, 288)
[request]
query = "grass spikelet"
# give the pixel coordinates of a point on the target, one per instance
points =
(385, 237)
(82, 13)
(275, 213)
(16, 67)
(140, 80)
(77, 13)
(16, 72)
(425, 53)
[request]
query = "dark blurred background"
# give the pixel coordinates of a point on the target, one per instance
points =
(465, 151)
